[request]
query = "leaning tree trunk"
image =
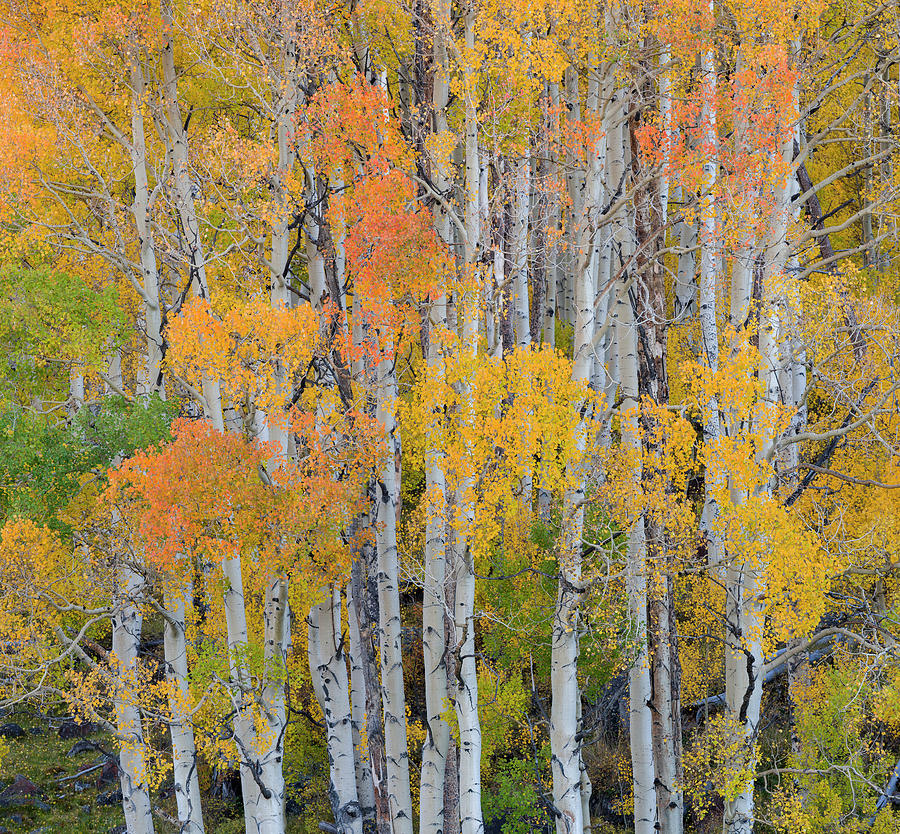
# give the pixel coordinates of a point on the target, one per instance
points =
(191, 239)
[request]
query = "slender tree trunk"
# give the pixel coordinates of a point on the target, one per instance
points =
(551, 241)
(434, 635)
(685, 233)
(393, 696)
(127, 622)
(451, 779)
(518, 293)
(184, 752)
(363, 578)
(127, 619)
(262, 785)
(184, 200)
(746, 588)
(569, 777)
(140, 208)
(639, 687)
(365, 790)
(653, 385)
(466, 694)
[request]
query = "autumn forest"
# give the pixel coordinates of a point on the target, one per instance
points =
(450, 416)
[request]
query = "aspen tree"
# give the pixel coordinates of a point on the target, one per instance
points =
(328, 663)
(466, 696)
(434, 605)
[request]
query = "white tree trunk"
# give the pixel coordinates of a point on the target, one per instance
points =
(184, 201)
(127, 621)
(260, 751)
(188, 798)
(365, 790)
(639, 686)
(466, 695)
(518, 295)
(387, 496)
(434, 636)
(553, 220)
(707, 293)
(665, 719)
(746, 586)
(685, 233)
(569, 777)
(328, 667)
(140, 208)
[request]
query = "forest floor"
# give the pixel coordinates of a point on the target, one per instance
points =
(78, 789)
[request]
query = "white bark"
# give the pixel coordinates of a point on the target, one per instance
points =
(746, 579)
(639, 688)
(575, 188)
(140, 208)
(315, 258)
(685, 232)
(328, 667)
(466, 695)
(708, 287)
(365, 790)
(127, 621)
(260, 752)
(434, 638)
(665, 117)
(518, 294)
(393, 696)
(551, 266)
(285, 118)
(569, 776)
(184, 200)
(666, 724)
(188, 798)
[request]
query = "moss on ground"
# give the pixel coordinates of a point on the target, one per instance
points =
(40, 755)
